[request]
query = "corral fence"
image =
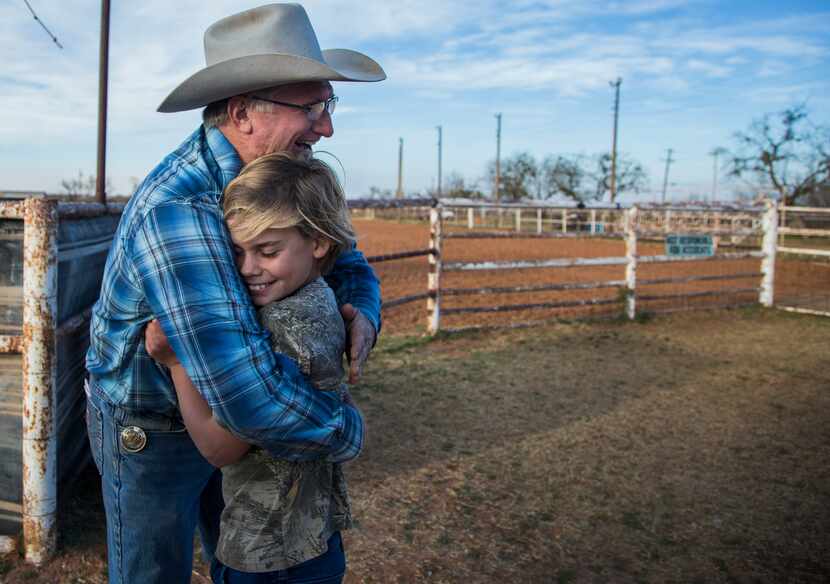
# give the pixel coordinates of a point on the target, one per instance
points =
(572, 277)
(53, 256)
(804, 248)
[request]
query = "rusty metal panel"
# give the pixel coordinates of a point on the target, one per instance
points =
(11, 461)
(11, 275)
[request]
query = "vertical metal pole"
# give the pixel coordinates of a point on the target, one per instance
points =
(631, 265)
(439, 159)
(399, 192)
(496, 191)
(770, 227)
(593, 220)
(666, 175)
(518, 220)
(538, 220)
(40, 282)
(103, 73)
(564, 220)
(616, 86)
(434, 276)
(471, 219)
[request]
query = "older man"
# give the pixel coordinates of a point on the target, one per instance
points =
(265, 89)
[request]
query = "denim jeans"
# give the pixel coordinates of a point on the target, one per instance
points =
(328, 568)
(153, 498)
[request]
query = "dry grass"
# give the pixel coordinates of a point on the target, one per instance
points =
(686, 449)
(692, 448)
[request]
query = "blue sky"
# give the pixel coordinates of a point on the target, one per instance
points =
(693, 73)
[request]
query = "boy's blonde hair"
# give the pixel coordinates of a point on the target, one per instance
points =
(278, 191)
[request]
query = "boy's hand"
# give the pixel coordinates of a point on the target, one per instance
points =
(360, 338)
(157, 345)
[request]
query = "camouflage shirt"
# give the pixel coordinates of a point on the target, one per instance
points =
(280, 513)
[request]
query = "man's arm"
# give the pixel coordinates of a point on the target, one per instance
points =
(358, 293)
(184, 264)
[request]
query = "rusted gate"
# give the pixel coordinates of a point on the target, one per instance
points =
(61, 249)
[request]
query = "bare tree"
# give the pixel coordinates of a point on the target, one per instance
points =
(785, 152)
(519, 176)
(456, 186)
(631, 176)
(583, 178)
(83, 185)
(563, 175)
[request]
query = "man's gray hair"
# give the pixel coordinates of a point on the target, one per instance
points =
(215, 115)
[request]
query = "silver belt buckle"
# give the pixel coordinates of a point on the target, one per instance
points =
(133, 439)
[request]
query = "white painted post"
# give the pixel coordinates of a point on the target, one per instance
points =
(770, 241)
(539, 221)
(518, 220)
(631, 267)
(593, 220)
(667, 221)
(434, 276)
(564, 220)
(471, 221)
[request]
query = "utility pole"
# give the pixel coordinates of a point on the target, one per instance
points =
(496, 193)
(666, 175)
(103, 69)
(616, 85)
(439, 160)
(714, 154)
(399, 192)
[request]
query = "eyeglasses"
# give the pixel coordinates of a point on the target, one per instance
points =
(314, 111)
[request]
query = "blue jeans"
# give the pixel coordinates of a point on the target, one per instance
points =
(153, 498)
(328, 568)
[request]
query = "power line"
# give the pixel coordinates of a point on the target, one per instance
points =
(40, 22)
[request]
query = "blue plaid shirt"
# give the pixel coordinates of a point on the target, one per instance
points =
(172, 259)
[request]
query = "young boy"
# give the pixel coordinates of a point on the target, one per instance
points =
(288, 221)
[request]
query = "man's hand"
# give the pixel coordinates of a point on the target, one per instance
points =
(157, 345)
(360, 338)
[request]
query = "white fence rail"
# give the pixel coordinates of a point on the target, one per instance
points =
(634, 226)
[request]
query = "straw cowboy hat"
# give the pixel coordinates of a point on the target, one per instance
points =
(264, 47)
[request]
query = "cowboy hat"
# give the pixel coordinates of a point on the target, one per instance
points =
(264, 47)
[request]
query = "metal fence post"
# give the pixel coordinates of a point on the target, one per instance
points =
(770, 242)
(434, 276)
(40, 296)
(631, 265)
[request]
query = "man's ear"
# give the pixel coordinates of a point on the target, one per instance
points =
(321, 247)
(238, 114)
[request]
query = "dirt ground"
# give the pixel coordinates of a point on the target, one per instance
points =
(687, 448)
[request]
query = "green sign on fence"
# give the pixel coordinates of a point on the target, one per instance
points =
(689, 245)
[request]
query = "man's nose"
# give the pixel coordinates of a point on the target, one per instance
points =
(323, 125)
